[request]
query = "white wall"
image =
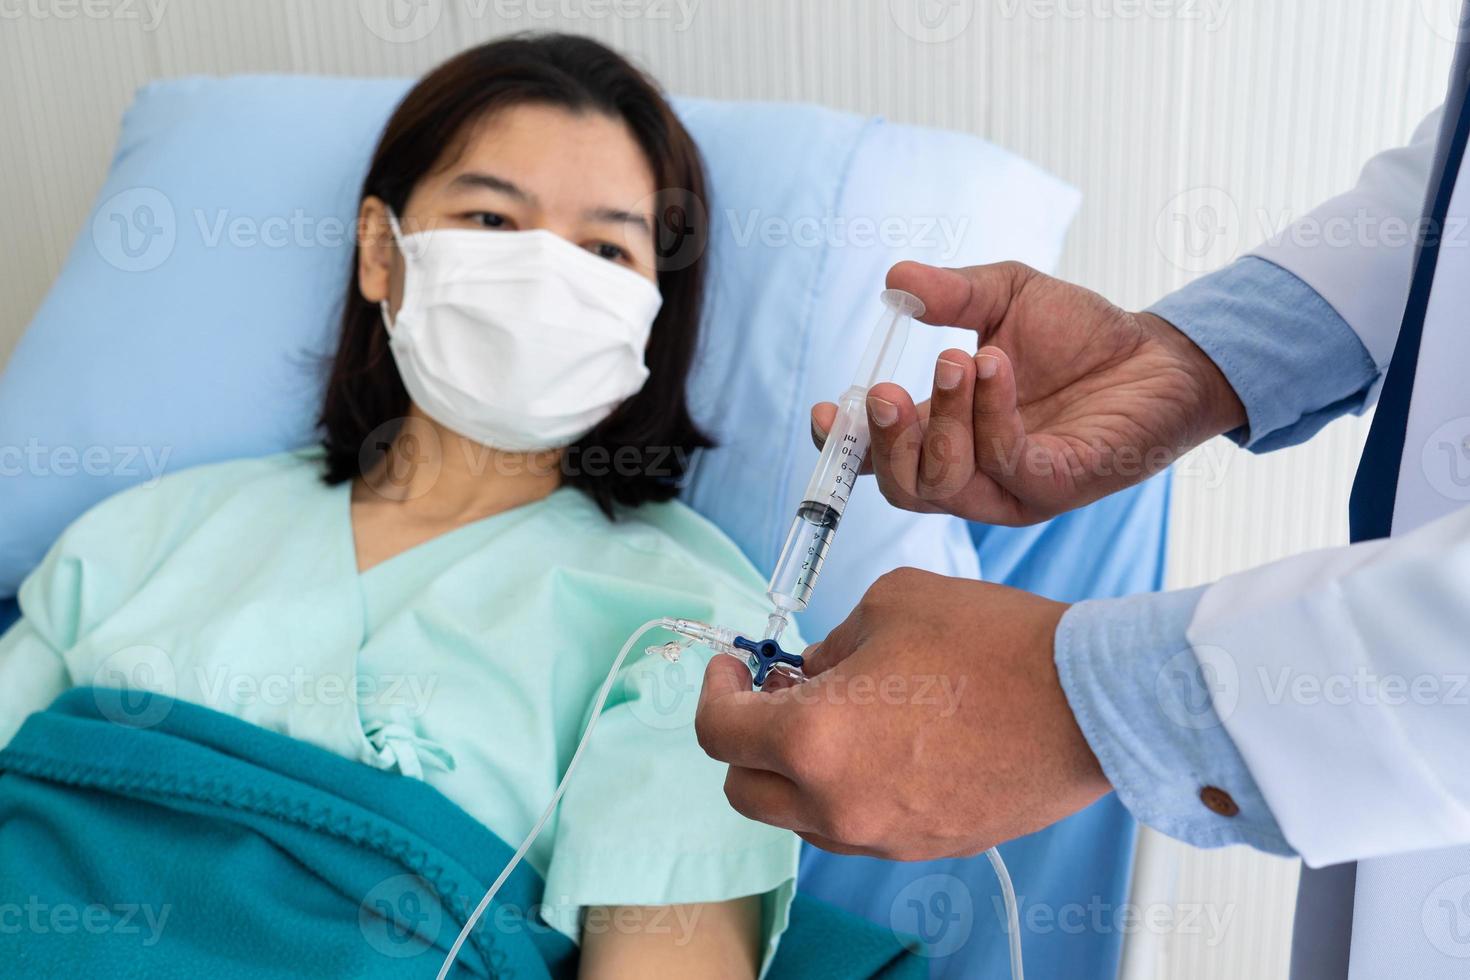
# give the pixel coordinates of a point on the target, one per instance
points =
(1227, 115)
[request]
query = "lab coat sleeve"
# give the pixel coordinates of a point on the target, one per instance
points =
(1146, 705)
(1357, 250)
(1343, 680)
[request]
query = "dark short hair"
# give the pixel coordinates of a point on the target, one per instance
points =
(364, 393)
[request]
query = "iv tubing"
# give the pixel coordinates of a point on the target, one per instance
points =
(1008, 891)
(1013, 914)
(561, 788)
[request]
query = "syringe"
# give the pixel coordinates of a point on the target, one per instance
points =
(819, 512)
(827, 493)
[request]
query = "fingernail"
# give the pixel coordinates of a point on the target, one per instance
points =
(986, 365)
(883, 412)
(947, 374)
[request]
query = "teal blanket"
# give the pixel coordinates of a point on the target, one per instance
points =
(146, 837)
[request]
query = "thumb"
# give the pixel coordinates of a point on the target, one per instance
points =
(724, 675)
(840, 644)
(1000, 435)
(976, 297)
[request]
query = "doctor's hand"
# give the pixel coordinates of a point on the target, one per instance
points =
(1069, 398)
(934, 726)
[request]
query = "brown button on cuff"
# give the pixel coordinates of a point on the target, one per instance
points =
(1219, 801)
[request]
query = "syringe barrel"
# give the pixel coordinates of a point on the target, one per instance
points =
(821, 507)
(847, 441)
(802, 558)
(842, 454)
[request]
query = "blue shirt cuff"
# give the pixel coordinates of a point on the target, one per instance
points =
(1294, 362)
(1146, 706)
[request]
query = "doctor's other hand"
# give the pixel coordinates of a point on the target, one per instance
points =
(1068, 399)
(934, 725)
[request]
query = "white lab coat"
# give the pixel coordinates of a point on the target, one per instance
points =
(1352, 665)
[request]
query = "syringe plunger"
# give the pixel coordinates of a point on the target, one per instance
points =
(889, 336)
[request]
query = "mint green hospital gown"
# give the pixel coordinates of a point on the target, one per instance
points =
(470, 661)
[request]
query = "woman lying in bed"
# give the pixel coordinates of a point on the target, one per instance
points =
(441, 587)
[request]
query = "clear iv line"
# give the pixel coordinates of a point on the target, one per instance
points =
(561, 788)
(1013, 914)
(718, 639)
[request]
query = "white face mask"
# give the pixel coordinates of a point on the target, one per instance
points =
(518, 340)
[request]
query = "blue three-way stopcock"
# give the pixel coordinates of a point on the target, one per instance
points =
(765, 655)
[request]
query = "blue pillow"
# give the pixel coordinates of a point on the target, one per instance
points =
(189, 321)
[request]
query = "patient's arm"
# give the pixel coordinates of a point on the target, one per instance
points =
(710, 941)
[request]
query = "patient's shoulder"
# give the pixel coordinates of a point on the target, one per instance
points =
(675, 549)
(672, 541)
(104, 556)
(207, 482)
(151, 514)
